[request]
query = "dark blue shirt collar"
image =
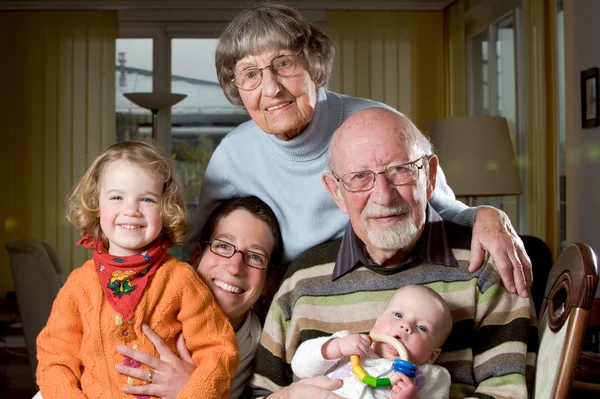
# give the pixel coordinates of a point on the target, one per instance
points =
(432, 247)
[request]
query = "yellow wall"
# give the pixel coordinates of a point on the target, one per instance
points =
(456, 60)
(396, 57)
(57, 111)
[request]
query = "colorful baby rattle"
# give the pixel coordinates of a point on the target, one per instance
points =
(402, 364)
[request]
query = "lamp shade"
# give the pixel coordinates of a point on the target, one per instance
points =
(154, 101)
(477, 155)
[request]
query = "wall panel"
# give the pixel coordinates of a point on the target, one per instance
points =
(396, 57)
(59, 104)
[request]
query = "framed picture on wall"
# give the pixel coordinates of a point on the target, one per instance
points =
(590, 112)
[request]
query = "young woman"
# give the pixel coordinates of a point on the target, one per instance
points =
(240, 243)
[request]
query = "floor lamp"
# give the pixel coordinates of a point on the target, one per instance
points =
(477, 156)
(155, 102)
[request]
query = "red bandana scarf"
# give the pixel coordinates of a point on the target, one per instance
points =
(124, 278)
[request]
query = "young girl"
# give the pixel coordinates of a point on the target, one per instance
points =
(130, 208)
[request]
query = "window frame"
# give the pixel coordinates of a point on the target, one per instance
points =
(147, 24)
(490, 28)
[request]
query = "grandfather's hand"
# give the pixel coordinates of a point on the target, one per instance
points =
(314, 388)
(171, 373)
(494, 233)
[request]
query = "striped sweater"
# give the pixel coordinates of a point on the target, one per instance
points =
(490, 352)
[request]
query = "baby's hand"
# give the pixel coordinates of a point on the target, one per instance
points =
(354, 344)
(404, 388)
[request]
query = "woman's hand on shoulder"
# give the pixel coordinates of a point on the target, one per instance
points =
(494, 233)
(171, 372)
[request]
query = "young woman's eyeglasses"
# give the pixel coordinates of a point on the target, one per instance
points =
(227, 250)
(396, 175)
(283, 66)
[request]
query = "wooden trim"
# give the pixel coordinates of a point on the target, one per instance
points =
(571, 283)
(569, 288)
(580, 281)
(577, 322)
(430, 5)
(481, 15)
(586, 386)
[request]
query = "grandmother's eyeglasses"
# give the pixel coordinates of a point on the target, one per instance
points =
(396, 175)
(227, 250)
(282, 66)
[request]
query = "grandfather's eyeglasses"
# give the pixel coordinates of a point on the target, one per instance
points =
(282, 66)
(396, 175)
(227, 250)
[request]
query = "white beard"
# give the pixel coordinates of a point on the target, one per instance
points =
(399, 236)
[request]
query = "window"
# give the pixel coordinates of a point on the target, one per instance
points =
(493, 90)
(204, 117)
(198, 123)
(134, 74)
(178, 58)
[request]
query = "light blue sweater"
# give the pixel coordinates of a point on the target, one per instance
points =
(287, 176)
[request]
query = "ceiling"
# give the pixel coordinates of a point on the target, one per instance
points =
(223, 4)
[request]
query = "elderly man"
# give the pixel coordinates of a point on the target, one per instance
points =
(383, 172)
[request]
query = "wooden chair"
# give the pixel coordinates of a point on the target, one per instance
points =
(563, 319)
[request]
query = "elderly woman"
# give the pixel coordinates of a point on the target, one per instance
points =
(271, 61)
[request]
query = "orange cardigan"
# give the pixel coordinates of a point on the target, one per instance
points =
(77, 350)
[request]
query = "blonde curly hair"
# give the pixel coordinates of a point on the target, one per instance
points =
(83, 200)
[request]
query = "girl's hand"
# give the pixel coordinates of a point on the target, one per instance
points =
(171, 373)
(404, 388)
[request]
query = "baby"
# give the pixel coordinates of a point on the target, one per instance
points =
(418, 317)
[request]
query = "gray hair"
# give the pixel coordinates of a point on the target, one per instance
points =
(417, 143)
(271, 27)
